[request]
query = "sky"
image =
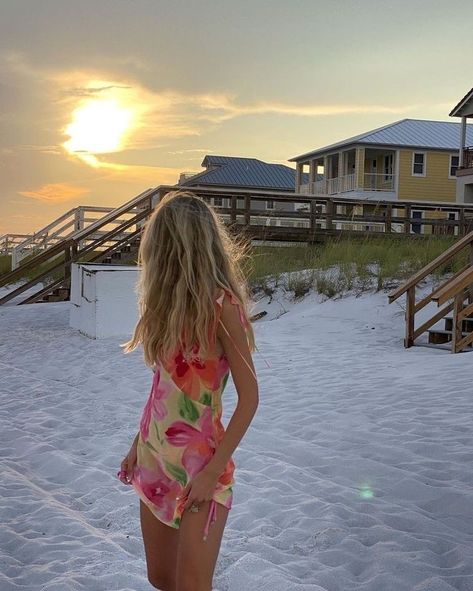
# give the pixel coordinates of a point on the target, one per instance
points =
(102, 99)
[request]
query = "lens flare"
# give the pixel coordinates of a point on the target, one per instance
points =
(366, 492)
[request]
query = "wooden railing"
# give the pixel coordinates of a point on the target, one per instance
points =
(9, 241)
(303, 217)
(457, 288)
(292, 217)
(468, 157)
(93, 242)
(60, 229)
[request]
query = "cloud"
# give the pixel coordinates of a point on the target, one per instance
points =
(191, 151)
(159, 117)
(56, 193)
(38, 148)
(88, 92)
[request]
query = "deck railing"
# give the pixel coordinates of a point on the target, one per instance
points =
(346, 183)
(9, 241)
(60, 229)
(468, 157)
(103, 236)
(292, 217)
(378, 182)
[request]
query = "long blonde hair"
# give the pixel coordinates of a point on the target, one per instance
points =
(186, 255)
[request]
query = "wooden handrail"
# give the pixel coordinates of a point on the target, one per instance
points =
(428, 269)
(329, 215)
(113, 215)
(31, 283)
(80, 235)
(454, 287)
(424, 301)
(44, 256)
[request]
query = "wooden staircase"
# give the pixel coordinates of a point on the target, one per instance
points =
(125, 255)
(454, 297)
(95, 243)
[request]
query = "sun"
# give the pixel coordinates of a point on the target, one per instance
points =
(98, 127)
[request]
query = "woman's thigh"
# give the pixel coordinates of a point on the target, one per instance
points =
(196, 558)
(161, 544)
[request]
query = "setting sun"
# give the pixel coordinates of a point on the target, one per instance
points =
(98, 127)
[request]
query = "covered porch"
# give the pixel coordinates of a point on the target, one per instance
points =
(359, 170)
(464, 173)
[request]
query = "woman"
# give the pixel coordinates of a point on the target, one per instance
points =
(194, 329)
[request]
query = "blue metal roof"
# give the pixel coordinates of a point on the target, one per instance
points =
(412, 133)
(233, 171)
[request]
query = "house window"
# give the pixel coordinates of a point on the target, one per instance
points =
(454, 161)
(388, 167)
(269, 204)
(418, 164)
(217, 201)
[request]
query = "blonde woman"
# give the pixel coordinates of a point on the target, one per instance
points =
(194, 330)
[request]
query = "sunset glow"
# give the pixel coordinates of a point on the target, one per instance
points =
(98, 127)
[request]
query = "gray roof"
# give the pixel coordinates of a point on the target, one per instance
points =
(233, 171)
(413, 133)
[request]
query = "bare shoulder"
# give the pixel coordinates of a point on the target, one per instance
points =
(231, 312)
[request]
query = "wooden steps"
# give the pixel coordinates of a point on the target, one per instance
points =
(126, 254)
(442, 336)
(454, 296)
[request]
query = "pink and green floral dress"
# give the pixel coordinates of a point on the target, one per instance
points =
(179, 431)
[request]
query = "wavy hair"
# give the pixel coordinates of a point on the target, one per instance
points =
(186, 256)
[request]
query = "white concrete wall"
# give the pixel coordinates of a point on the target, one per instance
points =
(104, 302)
(465, 189)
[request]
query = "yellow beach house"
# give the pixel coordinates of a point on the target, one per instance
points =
(409, 160)
(464, 109)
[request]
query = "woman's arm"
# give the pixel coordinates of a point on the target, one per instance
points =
(243, 374)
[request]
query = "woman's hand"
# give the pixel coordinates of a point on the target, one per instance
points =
(128, 464)
(200, 489)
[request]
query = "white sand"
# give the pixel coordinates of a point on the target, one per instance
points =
(355, 475)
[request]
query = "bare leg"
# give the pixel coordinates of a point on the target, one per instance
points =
(161, 544)
(196, 559)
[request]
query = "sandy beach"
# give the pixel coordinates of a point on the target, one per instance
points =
(356, 474)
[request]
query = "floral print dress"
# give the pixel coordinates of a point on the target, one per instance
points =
(179, 431)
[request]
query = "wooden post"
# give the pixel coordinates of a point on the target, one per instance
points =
(78, 219)
(470, 289)
(461, 222)
(410, 316)
(388, 222)
(325, 177)
(67, 262)
(313, 218)
(299, 176)
(233, 205)
(457, 322)
(461, 154)
(312, 175)
(247, 210)
(360, 168)
(407, 223)
(329, 214)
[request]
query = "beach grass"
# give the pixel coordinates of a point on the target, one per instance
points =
(331, 268)
(338, 266)
(5, 264)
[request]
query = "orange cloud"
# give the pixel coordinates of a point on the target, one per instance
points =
(55, 193)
